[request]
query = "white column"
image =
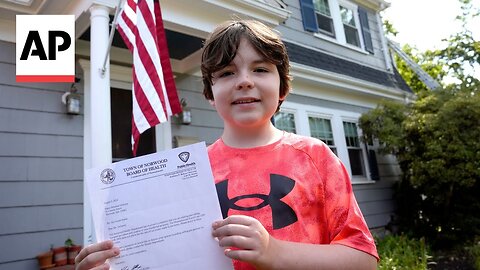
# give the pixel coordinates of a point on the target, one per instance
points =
(101, 141)
(97, 121)
(163, 135)
(88, 234)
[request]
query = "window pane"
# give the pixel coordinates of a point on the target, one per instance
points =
(351, 134)
(347, 16)
(325, 25)
(350, 28)
(321, 129)
(324, 18)
(285, 121)
(357, 164)
(322, 7)
(356, 161)
(351, 34)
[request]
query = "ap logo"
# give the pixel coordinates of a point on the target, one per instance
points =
(45, 48)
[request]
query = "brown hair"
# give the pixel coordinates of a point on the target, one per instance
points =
(221, 47)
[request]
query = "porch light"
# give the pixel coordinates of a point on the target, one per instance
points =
(185, 116)
(72, 99)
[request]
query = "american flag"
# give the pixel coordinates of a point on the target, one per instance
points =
(154, 93)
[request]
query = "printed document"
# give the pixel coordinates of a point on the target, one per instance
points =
(158, 209)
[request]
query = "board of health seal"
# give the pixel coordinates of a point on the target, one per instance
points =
(107, 176)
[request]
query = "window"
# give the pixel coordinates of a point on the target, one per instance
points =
(349, 26)
(322, 129)
(341, 20)
(355, 152)
(338, 129)
(324, 18)
(285, 121)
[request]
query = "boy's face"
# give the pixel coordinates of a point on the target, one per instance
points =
(246, 92)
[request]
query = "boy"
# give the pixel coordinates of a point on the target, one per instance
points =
(287, 199)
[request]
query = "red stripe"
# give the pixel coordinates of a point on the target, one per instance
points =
(144, 10)
(125, 38)
(151, 70)
(45, 78)
(143, 102)
(146, 13)
(132, 4)
(165, 61)
(129, 23)
(136, 137)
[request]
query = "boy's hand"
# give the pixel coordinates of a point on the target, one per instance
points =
(94, 256)
(244, 238)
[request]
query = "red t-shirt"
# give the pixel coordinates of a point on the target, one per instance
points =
(296, 187)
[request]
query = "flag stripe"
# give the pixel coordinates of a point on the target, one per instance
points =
(174, 102)
(135, 136)
(150, 59)
(146, 115)
(154, 54)
(148, 77)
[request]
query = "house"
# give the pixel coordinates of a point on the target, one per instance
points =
(341, 68)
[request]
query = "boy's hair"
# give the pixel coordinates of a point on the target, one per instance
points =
(221, 47)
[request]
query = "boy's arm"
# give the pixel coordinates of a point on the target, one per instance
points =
(253, 244)
(290, 255)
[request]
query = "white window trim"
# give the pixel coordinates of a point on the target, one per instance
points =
(340, 38)
(356, 17)
(318, 114)
(336, 117)
(296, 117)
(362, 146)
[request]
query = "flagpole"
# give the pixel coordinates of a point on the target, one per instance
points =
(112, 32)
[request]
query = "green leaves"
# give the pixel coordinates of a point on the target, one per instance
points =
(436, 141)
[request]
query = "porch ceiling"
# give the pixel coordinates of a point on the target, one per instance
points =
(10, 8)
(180, 45)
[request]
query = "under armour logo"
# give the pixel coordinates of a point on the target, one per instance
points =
(282, 214)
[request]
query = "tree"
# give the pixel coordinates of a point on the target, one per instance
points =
(436, 140)
(457, 60)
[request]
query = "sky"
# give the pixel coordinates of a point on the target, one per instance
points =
(424, 23)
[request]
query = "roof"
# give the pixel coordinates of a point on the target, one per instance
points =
(317, 59)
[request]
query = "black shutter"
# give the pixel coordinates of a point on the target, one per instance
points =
(372, 163)
(367, 36)
(308, 15)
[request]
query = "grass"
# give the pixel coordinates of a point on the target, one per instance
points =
(399, 252)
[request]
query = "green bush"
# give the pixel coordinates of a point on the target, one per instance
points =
(436, 142)
(474, 252)
(399, 252)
